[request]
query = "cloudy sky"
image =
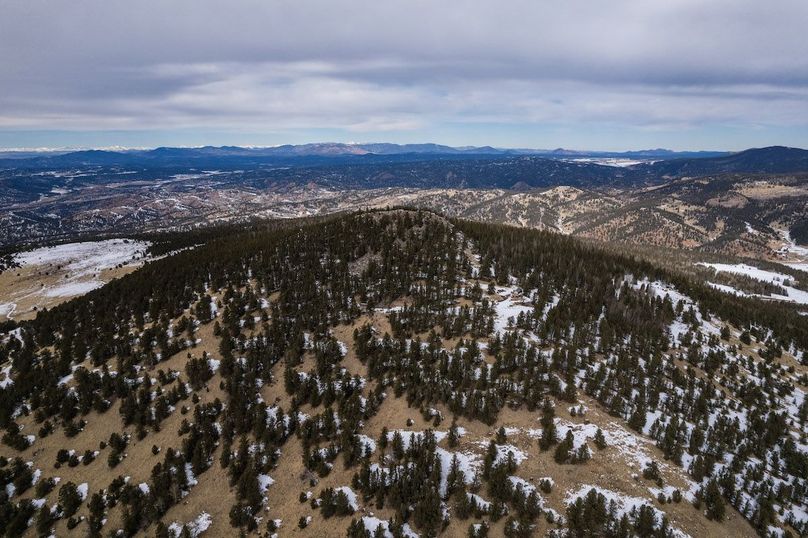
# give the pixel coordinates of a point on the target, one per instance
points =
(595, 74)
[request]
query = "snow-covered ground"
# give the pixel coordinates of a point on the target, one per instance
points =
(623, 504)
(264, 481)
(631, 447)
(729, 289)
(371, 523)
(798, 266)
(794, 295)
(408, 435)
(611, 161)
(503, 451)
(197, 526)
(793, 248)
(83, 261)
(750, 271)
(677, 328)
(797, 254)
(367, 443)
(508, 308)
(48, 275)
(7, 310)
(350, 495)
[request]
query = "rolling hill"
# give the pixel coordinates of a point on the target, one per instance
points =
(336, 378)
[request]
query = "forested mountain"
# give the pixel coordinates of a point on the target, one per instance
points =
(397, 373)
(771, 160)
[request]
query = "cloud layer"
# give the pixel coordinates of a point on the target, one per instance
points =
(361, 69)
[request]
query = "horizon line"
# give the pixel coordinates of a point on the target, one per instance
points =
(123, 148)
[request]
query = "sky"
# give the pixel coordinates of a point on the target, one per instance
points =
(595, 74)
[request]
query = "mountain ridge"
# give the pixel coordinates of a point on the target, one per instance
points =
(337, 149)
(433, 165)
(336, 373)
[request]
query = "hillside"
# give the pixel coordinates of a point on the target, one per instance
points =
(771, 160)
(330, 378)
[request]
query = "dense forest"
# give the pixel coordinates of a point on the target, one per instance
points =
(250, 344)
(799, 232)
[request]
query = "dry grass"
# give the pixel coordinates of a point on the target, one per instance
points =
(763, 190)
(609, 468)
(27, 287)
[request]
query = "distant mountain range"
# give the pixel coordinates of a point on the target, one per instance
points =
(432, 165)
(332, 150)
(420, 165)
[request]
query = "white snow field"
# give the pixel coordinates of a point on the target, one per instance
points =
(794, 295)
(83, 262)
(49, 275)
(797, 253)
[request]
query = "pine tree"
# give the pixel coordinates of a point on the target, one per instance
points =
(600, 439)
(562, 451)
(714, 501)
(454, 478)
(69, 499)
(453, 437)
(96, 517)
(548, 434)
(44, 521)
(161, 531)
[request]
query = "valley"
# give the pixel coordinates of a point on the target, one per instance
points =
(730, 212)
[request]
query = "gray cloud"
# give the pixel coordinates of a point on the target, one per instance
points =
(368, 67)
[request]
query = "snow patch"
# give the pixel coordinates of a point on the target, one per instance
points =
(623, 503)
(264, 481)
(349, 493)
(199, 525)
(793, 294)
